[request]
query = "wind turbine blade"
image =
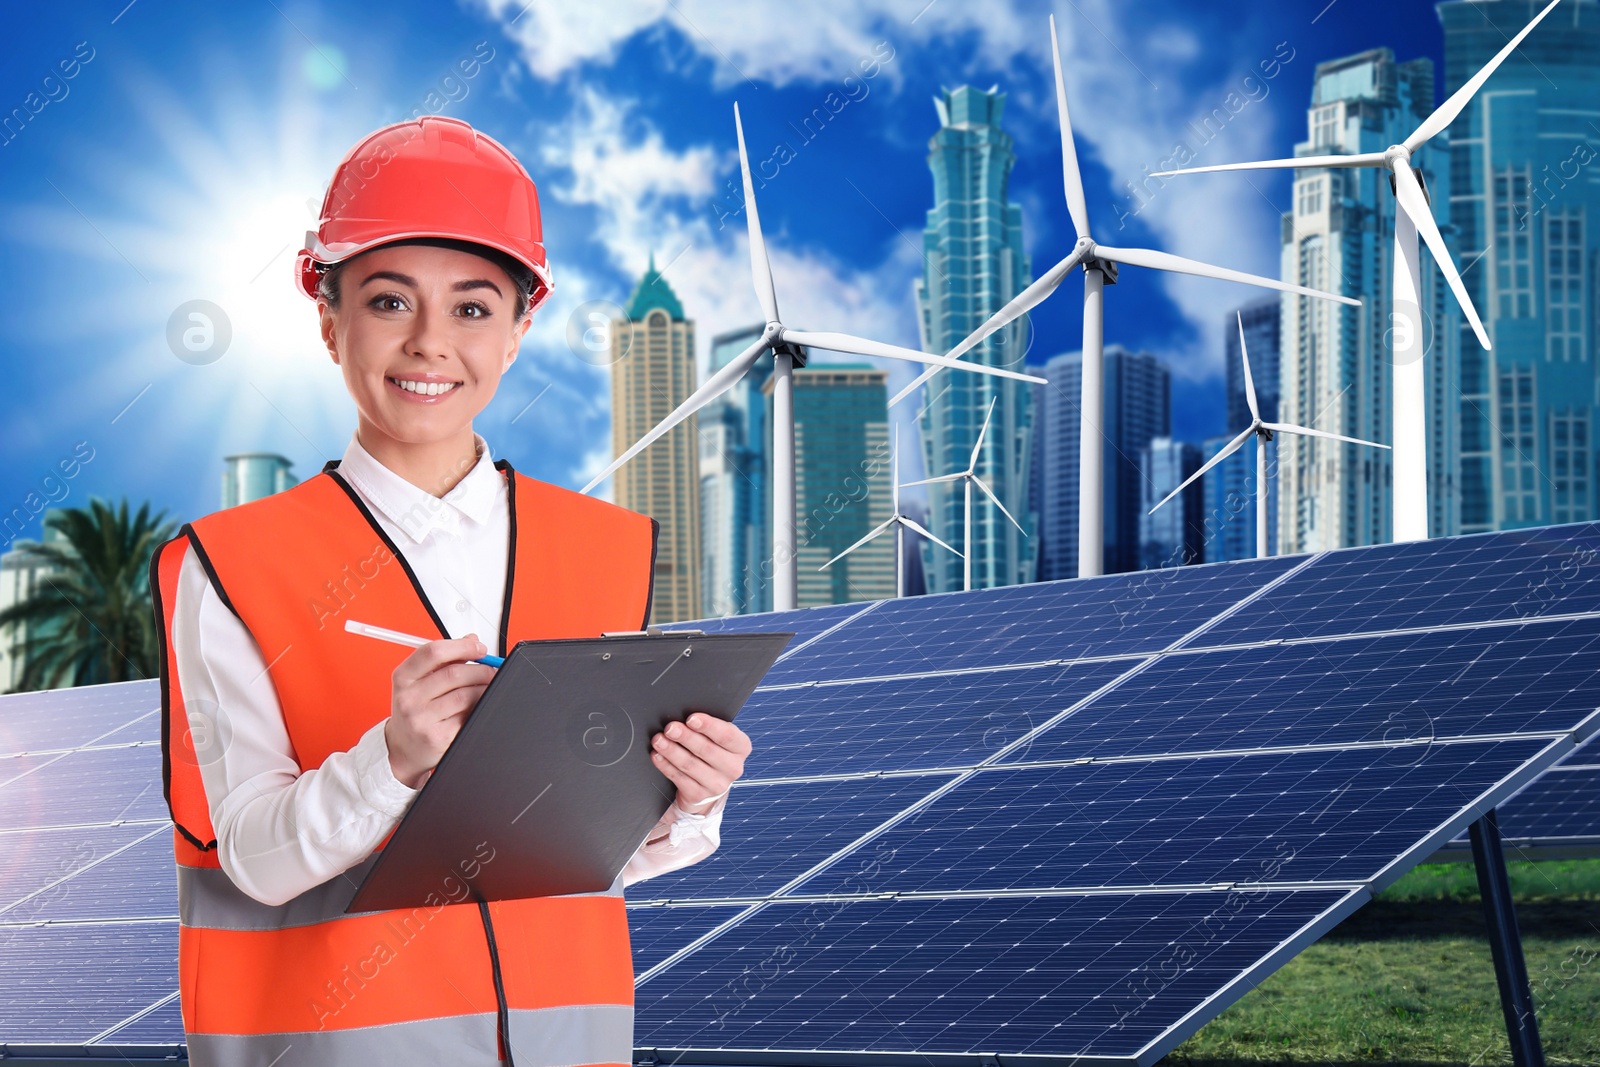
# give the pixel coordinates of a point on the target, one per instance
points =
(1415, 204)
(713, 387)
(1144, 257)
(1446, 112)
(860, 346)
(760, 265)
(986, 492)
(918, 527)
(978, 447)
(1278, 427)
(1019, 305)
(1077, 206)
(931, 481)
(882, 526)
(1227, 450)
(1249, 384)
(1362, 159)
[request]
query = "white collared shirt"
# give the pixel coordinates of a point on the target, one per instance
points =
(281, 831)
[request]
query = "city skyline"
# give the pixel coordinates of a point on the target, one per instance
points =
(209, 229)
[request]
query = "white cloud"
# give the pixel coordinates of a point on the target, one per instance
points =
(1131, 106)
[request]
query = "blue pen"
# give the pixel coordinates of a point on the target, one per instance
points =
(406, 639)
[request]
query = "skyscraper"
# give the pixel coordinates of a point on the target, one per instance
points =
(973, 263)
(1525, 205)
(1228, 523)
(1174, 535)
(1335, 373)
(841, 479)
(1138, 408)
(248, 476)
(652, 372)
(735, 500)
(1230, 495)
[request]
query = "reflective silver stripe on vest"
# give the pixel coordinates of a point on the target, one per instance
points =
(545, 1037)
(207, 897)
(571, 1036)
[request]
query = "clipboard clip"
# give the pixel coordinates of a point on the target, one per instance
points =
(653, 631)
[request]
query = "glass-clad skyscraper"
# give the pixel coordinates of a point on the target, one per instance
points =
(735, 505)
(1335, 371)
(1525, 204)
(973, 264)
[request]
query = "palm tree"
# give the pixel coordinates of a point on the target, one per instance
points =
(90, 619)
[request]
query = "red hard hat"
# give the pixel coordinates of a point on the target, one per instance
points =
(427, 177)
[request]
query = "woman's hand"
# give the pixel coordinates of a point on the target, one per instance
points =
(702, 756)
(434, 690)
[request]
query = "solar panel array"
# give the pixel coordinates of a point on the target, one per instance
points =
(1057, 820)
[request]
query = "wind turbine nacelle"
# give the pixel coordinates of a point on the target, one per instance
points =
(1420, 181)
(1104, 266)
(790, 349)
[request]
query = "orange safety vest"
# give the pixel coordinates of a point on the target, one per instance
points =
(304, 983)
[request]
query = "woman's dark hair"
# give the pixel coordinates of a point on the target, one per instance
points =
(328, 282)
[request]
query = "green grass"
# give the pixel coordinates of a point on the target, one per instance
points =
(1409, 979)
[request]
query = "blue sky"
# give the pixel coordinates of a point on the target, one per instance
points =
(188, 153)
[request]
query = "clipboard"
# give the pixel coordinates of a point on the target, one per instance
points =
(548, 788)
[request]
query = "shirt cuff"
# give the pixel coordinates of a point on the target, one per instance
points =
(685, 824)
(375, 777)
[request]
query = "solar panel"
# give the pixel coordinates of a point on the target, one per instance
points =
(906, 723)
(160, 1023)
(1072, 819)
(1563, 804)
(41, 864)
(70, 983)
(783, 830)
(95, 785)
(1422, 686)
(1026, 975)
(1450, 581)
(657, 932)
(60, 719)
(1116, 615)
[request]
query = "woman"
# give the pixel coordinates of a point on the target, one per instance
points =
(292, 748)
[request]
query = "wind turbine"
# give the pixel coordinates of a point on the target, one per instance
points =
(1413, 215)
(785, 344)
(1263, 432)
(970, 476)
(1099, 264)
(899, 522)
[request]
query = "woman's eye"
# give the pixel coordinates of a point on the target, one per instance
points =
(387, 302)
(474, 310)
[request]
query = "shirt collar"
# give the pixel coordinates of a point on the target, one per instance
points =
(417, 511)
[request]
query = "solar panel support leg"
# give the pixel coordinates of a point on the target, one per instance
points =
(1505, 942)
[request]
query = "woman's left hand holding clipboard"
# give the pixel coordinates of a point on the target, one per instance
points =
(701, 756)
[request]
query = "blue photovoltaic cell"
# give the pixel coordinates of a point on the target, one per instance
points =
(772, 834)
(57, 719)
(908, 723)
(164, 1026)
(67, 984)
(657, 933)
(1280, 817)
(39, 863)
(804, 623)
(91, 786)
(1562, 803)
(1514, 574)
(1500, 679)
(1119, 614)
(137, 882)
(1098, 975)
